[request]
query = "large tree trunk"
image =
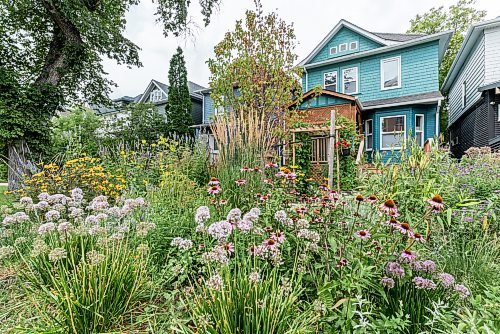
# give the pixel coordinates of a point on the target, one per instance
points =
(18, 163)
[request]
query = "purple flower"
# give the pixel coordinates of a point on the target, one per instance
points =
(445, 279)
(363, 234)
(424, 283)
(387, 282)
(462, 290)
(394, 269)
(408, 255)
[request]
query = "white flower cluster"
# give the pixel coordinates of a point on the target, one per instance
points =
(182, 244)
(220, 230)
(18, 217)
(310, 235)
(218, 255)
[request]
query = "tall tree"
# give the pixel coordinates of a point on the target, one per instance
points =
(254, 75)
(179, 105)
(50, 56)
(458, 17)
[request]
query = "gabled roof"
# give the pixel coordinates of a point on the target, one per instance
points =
(443, 38)
(152, 84)
(474, 32)
(314, 92)
(193, 88)
(343, 23)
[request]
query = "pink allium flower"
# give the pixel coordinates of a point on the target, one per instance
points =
(215, 282)
(387, 282)
(394, 269)
(424, 283)
(462, 290)
(241, 182)
(213, 182)
(214, 190)
(447, 280)
(363, 234)
(408, 255)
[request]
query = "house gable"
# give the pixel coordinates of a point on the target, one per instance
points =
(154, 89)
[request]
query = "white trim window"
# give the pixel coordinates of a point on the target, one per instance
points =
(369, 134)
(392, 132)
(350, 80)
(419, 129)
(155, 95)
(330, 81)
(353, 45)
(212, 144)
(390, 73)
(343, 47)
(464, 94)
(333, 50)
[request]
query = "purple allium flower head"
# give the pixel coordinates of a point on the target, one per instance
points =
(394, 269)
(424, 283)
(447, 280)
(387, 282)
(462, 290)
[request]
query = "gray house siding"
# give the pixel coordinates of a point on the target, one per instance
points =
(472, 74)
(492, 55)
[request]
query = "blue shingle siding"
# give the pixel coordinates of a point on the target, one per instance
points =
(472, 73)
(208, 108)
(345, 35)
(419, 72)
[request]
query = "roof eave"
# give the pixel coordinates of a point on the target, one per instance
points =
(422, 101)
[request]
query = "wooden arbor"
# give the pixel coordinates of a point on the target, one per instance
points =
(332, 133)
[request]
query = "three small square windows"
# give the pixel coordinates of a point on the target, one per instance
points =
(353, 45)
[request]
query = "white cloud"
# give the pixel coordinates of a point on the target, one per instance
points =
(312, 21)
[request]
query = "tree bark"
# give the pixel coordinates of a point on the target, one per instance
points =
(17, 163)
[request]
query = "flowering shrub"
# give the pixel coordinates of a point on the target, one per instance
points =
(81, 257)
(85, 172)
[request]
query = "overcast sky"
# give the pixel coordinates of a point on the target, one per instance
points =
(312, 19)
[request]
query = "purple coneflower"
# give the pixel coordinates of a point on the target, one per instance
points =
(359, 198)
(363, 234)
(404, 228)
(278, 236)
(270, 243)
(342, 263)
(436, 203)
(418, 237)
(245, 169)
(389, 207)
(228, 247)
(268, 181)
(408, 255)
(213, 181)
(301, 210)
(241, 182)
(371, 199)
(271, 165)
(214, 190)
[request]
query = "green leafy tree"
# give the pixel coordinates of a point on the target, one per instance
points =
(179, 105)
(145, 122)
(50, 55)
(458, 17)
(254, 75)
(76, 132)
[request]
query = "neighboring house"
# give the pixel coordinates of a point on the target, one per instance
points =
(155, 93)
(387, 82)
(473, 87)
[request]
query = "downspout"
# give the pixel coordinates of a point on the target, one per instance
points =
(307, 79)
(437, 120)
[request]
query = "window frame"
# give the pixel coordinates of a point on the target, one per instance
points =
(351, 43)
(336, 84)
(155, 95)
(368, 135)
(215, 149)
(420, 131)
(382, 75)
(333, 53)
(386, 133)
(340, 47)
(357, 80)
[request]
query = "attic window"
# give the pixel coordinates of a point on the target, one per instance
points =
(333, 51)
(155, 95)
(353, 45)
(343, 47)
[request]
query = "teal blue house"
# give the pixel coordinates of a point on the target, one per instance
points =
(393, 78)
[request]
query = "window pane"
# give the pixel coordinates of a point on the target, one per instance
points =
(393, 124)
(343, 47)
(419, 138)
(419, 123)
(369, 127)
(392, 140)
(390, 73)
(331, 81)
(350, 87)
(350, 80)
(369, 142)
(354, 45)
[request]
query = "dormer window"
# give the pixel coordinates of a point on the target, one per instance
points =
(155, 95)
(333, 51)
(343, 47)
(353, 45)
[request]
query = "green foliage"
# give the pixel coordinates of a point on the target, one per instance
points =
(76, 133)
(143, 122)
(179, 104)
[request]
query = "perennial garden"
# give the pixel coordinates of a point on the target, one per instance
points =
(154, 240)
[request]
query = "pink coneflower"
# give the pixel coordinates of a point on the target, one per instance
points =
(371, 199)
(436, 203)
(301, 210)
(342, 263)
(256, 169)
(213, 181)
(264, 198)
(270, 243)
(363, 234)
(419, 237)
(408, 255)
(268, 181)
(290, 176)
(245, 169)
(389, 207)
(405, 228)
(228, 247)
(214, 190)
(278, 236)
(271, 165)
(223, 202)
(268, 228)
(359, 198)
(279, 174)
(241, 182)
